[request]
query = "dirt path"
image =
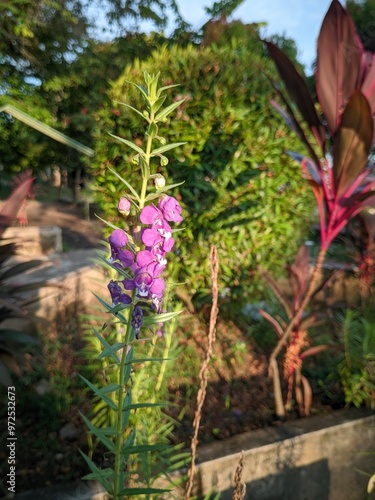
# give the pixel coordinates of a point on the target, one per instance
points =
(77, 231)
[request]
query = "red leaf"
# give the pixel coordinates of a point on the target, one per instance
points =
(298, 91)
(11, 206)
(338, 63)
(313, 351)
(273, 322)
(280, 295)
(354, 139)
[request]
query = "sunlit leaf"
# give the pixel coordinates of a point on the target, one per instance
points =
(165, 148)
(166, 111)
(159, 318)
(339, 55)
(133, 191)
(129, 143)
(112, 349)
(298, 91)
(353, 142)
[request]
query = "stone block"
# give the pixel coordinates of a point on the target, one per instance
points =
(32, 240)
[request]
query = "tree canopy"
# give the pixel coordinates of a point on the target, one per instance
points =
(362, 13)
(55, 67)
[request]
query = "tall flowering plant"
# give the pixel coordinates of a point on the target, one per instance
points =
(139, 250)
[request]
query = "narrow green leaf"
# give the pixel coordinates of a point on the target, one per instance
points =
(112, 387)
(167, 147)
(158, 103)
(163, 190)
(125, 420)
(111, 350)
(133, 109)
(130, 144)
(127, 372)
(160, 318)
(141, 89)
(106, 473)
(99, 434)
(100, 475)
(129, 186)
(96, 391)
(112, 266)
(163, 89)
(166, 111)
(107, 223)
(109, 308)
(46, 130)
(130, 441)
(106, 345)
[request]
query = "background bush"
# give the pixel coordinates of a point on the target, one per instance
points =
(241, 192)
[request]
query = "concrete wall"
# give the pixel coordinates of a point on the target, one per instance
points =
(311, 459)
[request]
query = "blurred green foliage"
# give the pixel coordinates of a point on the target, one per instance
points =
(357, 367)
(240, 191)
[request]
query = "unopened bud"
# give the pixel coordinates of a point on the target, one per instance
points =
(159, 182)
(124, 206)
(163, 161)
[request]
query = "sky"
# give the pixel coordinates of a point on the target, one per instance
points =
(297, 19)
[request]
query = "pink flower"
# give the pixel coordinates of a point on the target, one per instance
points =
(170, 208)
(117, 240)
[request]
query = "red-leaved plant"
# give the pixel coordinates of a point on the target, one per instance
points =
(298, 345)
(338, 138)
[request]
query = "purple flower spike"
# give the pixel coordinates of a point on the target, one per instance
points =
(117, 295)
(170, 208)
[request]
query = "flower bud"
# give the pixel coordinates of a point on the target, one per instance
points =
(163, 161)
(159, 182)
(124, 206)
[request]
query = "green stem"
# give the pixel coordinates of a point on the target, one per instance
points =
(119, 441)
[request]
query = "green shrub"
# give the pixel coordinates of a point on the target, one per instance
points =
(241, 192)
(357, 368)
